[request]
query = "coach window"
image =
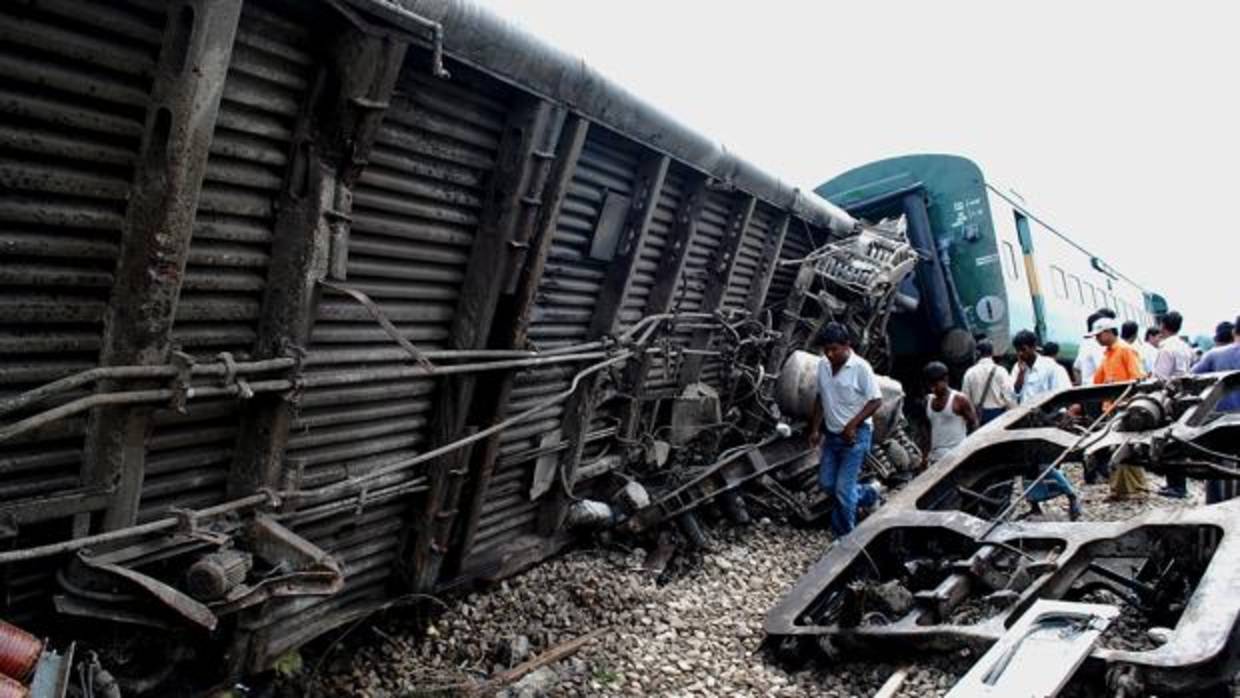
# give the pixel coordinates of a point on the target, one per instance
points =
(1076, 289)
(1059, 282)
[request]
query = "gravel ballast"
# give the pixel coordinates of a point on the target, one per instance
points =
(696, 635)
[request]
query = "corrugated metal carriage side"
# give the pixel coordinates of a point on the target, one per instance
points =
(72, 113)
(419, 193)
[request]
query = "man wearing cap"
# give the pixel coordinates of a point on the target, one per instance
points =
(1090, 354)
(1120, 363)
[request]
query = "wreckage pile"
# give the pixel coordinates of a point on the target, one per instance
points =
(699, 633)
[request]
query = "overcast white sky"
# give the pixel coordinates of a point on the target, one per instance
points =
(1117, 122)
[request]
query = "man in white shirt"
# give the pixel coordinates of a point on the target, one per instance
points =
(1062, 380)
(848, 396)
(1089, 357)
(1035, 375)
(1175, 357)
(1129, 333)
(1038, 375)
(987, 385)
(1149, 349)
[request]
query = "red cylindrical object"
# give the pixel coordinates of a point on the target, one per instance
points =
(9, 688)
(19, 652)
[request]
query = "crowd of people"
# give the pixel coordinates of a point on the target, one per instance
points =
(1112, 352)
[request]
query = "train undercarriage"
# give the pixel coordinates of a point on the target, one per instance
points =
(944, 566)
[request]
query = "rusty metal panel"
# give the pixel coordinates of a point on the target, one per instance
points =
(691, 287)
(273, 66)
(561, 317)
(415, 213)
(744, 276)
(658, 244)
(655, 246)
(72, 109)
(797, 245)
(749, 257)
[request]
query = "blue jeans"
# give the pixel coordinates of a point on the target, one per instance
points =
(837, 474)
(986, 414)
(1049, 487)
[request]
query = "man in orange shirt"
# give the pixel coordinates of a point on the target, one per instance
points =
(1120, 363)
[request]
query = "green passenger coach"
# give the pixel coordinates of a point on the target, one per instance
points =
(989, 266)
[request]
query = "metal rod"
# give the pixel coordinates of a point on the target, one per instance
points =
(77, 380)
(647, 326)
(130, 532)
(133, 397)
(419, 371)
(1007, 511)
(371, 498)
(407, 463)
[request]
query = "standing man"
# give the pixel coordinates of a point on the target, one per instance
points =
(1035, 375)
(1149, 349)
(1224, 336)
(1129, 333)
(1051, 351)
(848, 395)
(1175, 357)
(950, 413)
(1120, 364)
(1222, 358)
(1090, 353)
(987, 385)
(1038, 375)
(1225, 358)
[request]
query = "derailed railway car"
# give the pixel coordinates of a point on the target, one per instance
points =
(990, 264)
(308, 306)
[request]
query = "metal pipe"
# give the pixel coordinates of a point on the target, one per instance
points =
(454, 354)
(77, 380)
(397, 372)
(133, 397)
(550, 357)
(1007, 511)
(370, 498)
(407, 463)
(332, 378)
(648, 324)
(129, 532)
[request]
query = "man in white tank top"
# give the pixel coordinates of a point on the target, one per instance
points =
(951, 414)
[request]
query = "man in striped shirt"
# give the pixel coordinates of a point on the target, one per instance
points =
(988, 385)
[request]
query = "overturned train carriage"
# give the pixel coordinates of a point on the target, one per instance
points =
(310, 305)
